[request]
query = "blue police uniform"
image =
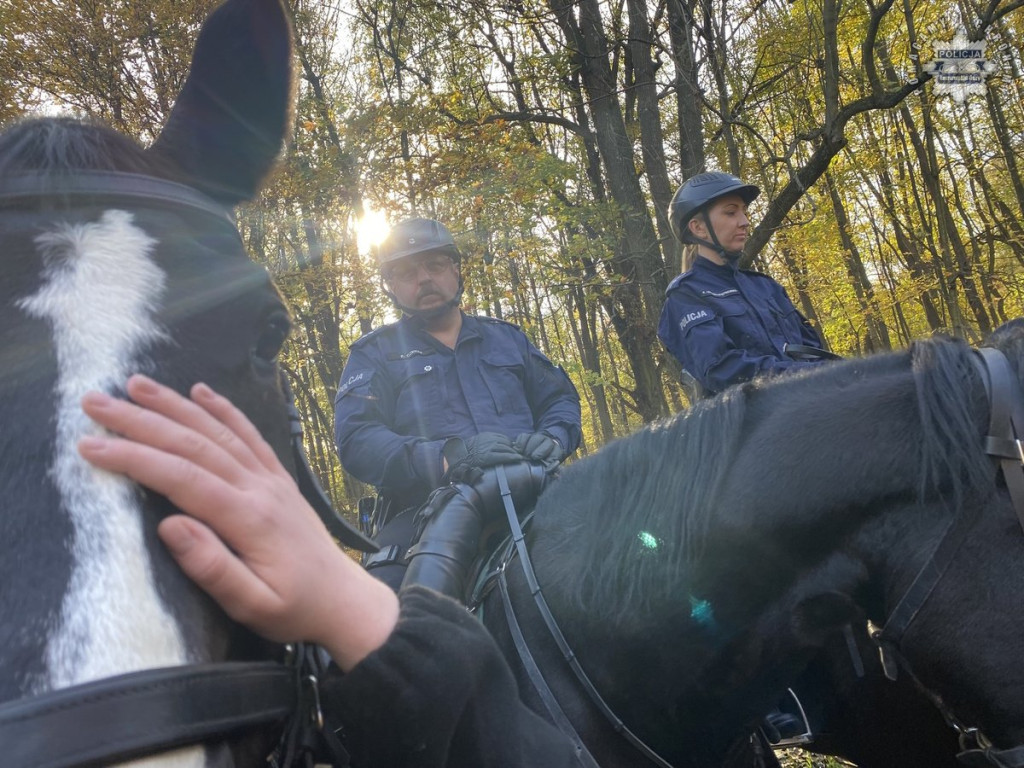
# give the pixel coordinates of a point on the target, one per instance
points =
(726, 325)
(403, 394)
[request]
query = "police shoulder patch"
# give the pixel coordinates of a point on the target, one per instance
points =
(677, 281)
(696, 317)
(354, 380)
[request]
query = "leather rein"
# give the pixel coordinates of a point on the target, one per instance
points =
(1004, 443)
(558, 716)
(151, 711)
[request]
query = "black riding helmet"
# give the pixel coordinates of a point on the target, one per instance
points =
(697, 195)
(413, 236)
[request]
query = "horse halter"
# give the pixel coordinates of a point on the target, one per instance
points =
(107, 186)
(150, 711)
(1005, 444)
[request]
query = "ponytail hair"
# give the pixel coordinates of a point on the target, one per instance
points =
(689, 256)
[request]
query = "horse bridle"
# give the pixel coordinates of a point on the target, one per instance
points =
(1005, 444)
(151, 711)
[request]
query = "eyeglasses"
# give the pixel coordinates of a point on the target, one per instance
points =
(406, 273)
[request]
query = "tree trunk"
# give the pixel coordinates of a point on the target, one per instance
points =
(877, 333)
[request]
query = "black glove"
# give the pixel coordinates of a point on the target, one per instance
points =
(540, 447)
(466, 457)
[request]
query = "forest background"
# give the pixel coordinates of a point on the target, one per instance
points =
(549, 135)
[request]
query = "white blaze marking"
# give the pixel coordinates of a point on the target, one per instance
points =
(99, 287)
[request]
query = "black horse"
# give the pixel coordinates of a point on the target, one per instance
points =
(119, 259)
(698, 566)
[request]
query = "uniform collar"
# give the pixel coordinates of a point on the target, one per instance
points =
(470, 329)
(729, 268)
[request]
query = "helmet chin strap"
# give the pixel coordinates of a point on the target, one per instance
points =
(432, 313)
(713, 244)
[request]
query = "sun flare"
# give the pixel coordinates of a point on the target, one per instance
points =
(371, 229)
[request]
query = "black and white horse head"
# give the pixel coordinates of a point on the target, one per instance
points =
(118, 259)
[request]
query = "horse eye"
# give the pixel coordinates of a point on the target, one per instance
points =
(271, 339)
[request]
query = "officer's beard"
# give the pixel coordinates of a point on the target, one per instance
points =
(430, 314)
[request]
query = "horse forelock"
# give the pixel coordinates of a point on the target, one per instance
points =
(57, 145)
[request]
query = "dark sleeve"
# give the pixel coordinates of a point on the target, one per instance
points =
(438, 694)
(369, 449)
(694, 333)
(554, 401)
(808, 335)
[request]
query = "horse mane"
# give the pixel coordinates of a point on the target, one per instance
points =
(952, 455)
(639, 510)
(56, 145)
(651, 492)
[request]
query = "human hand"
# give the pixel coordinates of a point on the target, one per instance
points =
(248, 537)
(540, 447)
(487, 449)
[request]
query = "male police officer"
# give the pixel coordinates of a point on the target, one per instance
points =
(442, 396)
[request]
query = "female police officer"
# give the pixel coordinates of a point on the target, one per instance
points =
(724, 324)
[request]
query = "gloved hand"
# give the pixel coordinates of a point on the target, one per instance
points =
(540, 447)
(466, 456)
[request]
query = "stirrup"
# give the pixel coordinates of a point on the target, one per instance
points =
(783, 729)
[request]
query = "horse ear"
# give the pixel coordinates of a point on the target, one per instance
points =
(230, 119)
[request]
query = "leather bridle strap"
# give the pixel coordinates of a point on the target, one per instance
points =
(310, 487)
(107, 185)
(140, 713)
(556, 632)
(927, 579)
(986, 757)
(540, 685)
(1002, 393)
(1006, 422)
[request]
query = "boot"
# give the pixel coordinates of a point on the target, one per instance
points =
(454, 520)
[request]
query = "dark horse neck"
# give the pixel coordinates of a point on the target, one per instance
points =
(711, 556)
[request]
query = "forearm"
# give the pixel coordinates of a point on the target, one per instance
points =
(438, 693)
(358, 612)
(738, 365)
(374, 454)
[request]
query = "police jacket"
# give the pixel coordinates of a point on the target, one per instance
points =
(438, 694)
(726, 325)
(403, 394)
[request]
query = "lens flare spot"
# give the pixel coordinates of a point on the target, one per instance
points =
(700, 611)
(647, 540)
